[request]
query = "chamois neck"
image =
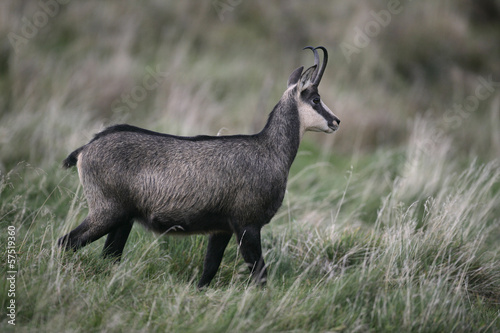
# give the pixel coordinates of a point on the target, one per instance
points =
(282, 131)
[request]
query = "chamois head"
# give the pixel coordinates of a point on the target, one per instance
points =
(314, 114)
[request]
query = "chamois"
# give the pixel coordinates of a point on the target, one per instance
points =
(216, 185)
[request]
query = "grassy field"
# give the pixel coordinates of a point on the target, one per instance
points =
(389, 225)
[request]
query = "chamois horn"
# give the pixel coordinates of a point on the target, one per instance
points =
(319, 70)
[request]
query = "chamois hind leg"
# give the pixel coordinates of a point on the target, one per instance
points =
(251, 249)
(217, 243)
(93, 227)
(115, 242)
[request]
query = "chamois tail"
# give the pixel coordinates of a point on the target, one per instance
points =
(72, 158)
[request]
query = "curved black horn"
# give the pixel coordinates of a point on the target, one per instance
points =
(318, 77)
(316, 55)
(316, 59)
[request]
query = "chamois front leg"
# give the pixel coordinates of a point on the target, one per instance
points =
(217, 243)
(251, 249)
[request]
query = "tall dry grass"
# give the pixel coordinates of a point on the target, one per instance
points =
(391, 224)
(228, 71)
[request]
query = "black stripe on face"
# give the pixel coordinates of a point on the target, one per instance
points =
(324, 113)
(308, 96)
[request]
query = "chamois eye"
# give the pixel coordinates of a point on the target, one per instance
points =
(316, 100)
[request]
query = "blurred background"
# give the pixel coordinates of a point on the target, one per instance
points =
(69, 68)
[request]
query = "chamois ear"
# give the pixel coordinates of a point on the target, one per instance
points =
(307, 78)
(295, 76)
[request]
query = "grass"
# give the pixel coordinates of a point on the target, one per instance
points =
(389, 225)
(331, 267)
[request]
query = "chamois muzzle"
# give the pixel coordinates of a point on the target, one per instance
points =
(334, 125)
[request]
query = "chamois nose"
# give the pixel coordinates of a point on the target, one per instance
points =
(334, 125)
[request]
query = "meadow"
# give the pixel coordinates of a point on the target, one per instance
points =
(389, 225)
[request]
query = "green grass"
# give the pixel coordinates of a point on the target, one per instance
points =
(329, 270)
(389, 225)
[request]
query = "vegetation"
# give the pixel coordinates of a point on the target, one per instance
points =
(389, 225)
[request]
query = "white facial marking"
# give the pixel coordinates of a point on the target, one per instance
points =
(310, 120)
